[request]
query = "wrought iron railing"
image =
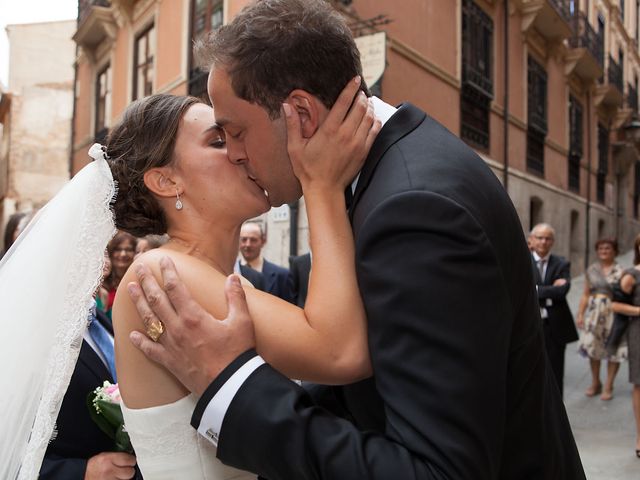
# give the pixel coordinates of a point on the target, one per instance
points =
(632, 98)
(84, 7)
(614, 74)
(584, 36)
(563, 7)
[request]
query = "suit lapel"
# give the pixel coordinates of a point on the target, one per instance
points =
(104, 321)
(403, 122)
(534, 265)
(93, 363)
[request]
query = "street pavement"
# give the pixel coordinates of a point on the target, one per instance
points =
(604, 431)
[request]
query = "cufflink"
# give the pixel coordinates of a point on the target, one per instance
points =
(211, 435)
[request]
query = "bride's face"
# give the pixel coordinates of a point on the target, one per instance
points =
(212, 185)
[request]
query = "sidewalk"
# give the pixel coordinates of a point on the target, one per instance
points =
(604, 431)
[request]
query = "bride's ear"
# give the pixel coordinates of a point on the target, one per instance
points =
(308, 108)
(158, 181)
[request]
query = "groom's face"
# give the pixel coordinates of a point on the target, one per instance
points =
(254, 140)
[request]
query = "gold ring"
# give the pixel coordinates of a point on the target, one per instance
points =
(155, 330)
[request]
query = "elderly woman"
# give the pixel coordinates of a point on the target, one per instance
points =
(595, 317)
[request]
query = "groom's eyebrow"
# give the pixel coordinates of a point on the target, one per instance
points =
(213, 128)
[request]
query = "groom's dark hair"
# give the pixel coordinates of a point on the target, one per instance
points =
(275, 46)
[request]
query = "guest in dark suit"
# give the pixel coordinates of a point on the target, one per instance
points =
(277, 280)
(254, 276)
(462, 388)
(300, 267)
(80, 450)
(553, 280)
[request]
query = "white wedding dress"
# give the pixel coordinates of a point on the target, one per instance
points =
(168, 448)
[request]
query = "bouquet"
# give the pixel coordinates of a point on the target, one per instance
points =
(104, 409)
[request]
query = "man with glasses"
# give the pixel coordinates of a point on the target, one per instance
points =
(553, 280)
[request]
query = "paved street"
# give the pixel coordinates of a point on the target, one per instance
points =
(604, 431)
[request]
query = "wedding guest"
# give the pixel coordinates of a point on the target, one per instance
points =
(300, 267)
(629, 284)
(102, 296)
(595, 317)
(276, 278)
(11, 231)
(553, 280)
(80, 450)
(149, 242)
(121, 250)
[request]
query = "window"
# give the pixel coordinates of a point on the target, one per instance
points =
(143, 58)
(206, 15)
(477, 76)
(622, 10)
(636, 190)
(603, 163)
(575, 143)
(537, 116)
(535, 212)
(637, 21)
(103, 103)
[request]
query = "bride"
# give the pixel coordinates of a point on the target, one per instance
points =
(168, 159)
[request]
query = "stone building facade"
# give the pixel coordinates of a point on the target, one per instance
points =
(36, 112)
(546, 91)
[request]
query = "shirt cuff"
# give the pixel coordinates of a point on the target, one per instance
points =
(212, 407)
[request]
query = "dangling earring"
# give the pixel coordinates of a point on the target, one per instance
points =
(178, 201)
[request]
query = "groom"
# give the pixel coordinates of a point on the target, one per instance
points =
(461, 387)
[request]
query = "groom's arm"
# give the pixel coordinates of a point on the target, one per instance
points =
(444, 388)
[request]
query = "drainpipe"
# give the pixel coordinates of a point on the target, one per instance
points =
(73, 115)
(293, 227)
(587, 222)
(505, 178)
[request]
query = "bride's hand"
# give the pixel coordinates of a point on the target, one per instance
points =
(332, 157)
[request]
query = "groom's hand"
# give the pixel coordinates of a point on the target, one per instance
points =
(195, 346)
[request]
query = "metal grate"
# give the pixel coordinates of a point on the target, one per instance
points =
(537, 96)
(535, 152)
(603, 163)
(477, 48)
(474, 117)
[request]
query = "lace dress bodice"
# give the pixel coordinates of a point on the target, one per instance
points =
(168, 448)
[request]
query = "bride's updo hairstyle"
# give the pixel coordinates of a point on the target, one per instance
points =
(145, 138)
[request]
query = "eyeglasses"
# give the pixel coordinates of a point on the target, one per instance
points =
(123, 250)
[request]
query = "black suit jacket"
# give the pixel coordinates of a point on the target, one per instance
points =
(554, 299)
(462, 388)
(277, 280)
(300, 267)
(78, 437)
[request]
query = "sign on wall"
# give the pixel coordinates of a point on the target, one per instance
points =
(373, 52)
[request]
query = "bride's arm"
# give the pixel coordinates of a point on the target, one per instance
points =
(327, 341)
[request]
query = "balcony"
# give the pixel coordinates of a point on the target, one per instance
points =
(611, 92)
(550, 18)
(586, 57)
(95, 24)
(86, 6)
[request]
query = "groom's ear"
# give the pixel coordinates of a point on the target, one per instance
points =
(309, 111)
(159, 181)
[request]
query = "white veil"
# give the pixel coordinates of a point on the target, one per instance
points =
(47, 280)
